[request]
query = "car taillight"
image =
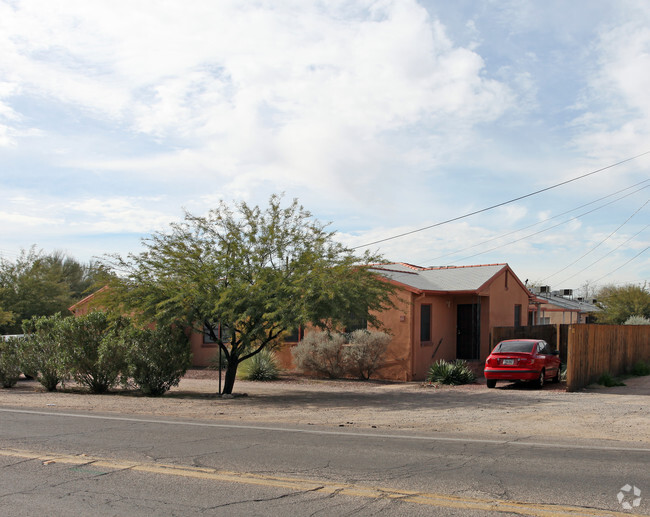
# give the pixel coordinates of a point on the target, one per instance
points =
(491, 361)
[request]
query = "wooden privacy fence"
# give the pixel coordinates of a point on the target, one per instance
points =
(595, 349)
(552, 334)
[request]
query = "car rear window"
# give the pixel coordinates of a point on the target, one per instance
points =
(515, 346)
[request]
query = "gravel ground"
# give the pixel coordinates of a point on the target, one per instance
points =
(620, 413)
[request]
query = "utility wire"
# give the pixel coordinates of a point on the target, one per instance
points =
(500, 204)
(597, 245)
(605, 255)
(622, 266)
(428, 261)
(544, 230)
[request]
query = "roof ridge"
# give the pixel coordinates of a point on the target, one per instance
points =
(432, 268)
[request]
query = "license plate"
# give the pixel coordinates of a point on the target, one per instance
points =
(508, 361)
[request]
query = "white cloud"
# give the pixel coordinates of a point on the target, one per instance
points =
(616, 118)
(256, 89)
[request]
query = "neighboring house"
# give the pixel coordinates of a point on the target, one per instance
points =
(445, 313)
(441, 313)
(560, 307)
(92, 301)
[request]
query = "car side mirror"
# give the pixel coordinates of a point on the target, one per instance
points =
(555, 352)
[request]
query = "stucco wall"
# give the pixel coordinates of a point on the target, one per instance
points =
(399, 322)
(504, 294)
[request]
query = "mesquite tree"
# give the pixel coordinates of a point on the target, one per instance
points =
(245, 275)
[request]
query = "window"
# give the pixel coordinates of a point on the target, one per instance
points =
(293, 335)
(356, 322)
(222, 331)
(517, 315)
(425, 323)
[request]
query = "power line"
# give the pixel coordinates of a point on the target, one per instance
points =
(428, 261)
(622, 266)
(545, 229)
(500, 204)
(605, 255)
(597, 245)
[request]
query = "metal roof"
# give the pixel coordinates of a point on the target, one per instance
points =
(568, 303)
(447, 279)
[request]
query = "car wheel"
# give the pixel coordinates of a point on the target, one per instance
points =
(556, 379)
(540, 381)
(491, 383)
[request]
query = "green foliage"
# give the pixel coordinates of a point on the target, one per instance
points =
(607, 380)
(9, 361)
(41, 353)
(322, 353)
(256, 272)
(637, 320)
(157, 358)
(261, 367)
(619, 303)
(641, 369)
(36, 284)
(454, 373)
(93, 350)
(364, 354)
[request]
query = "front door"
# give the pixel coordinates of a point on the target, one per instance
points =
(468, 325)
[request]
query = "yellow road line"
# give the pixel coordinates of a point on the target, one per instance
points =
(327, 487)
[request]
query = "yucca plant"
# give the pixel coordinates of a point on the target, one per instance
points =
(454, 373)
(263, 366)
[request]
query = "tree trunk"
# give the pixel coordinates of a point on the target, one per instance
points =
(231, 373)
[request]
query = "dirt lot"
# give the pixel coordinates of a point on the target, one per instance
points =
(621, 413)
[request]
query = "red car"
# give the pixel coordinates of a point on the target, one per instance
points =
(522, 360)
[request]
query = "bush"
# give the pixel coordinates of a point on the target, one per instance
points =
(263, 366)
(157, 358)
(608, 381)
(454, 373)
(641, 368)
(9, 361)
(93, 350)
(364, 354)
(41, 354)
(322, 353)
(637, 320)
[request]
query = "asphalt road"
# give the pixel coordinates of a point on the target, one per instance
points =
(54, 463)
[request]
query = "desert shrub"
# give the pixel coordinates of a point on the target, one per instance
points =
(93, 350)
(637, 320)
(641, 368)
(320, 352)
(9, 361)
(40, 353)
(607, 380)
(454, 373)
(157, 358)
(263, 366)
(365, 352)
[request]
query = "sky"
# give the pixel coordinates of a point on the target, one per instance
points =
(381, 117)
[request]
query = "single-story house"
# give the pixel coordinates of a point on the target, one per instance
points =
(445, 313)
(560, 307)
(440, 313)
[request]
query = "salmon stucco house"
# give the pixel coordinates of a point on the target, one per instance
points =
(446, 313)
(440, 313)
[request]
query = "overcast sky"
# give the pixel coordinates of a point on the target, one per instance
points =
(381, 117)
